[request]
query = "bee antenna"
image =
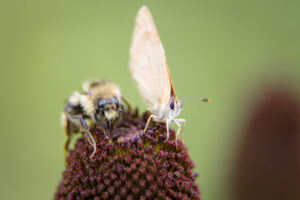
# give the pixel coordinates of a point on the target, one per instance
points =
(197, 99)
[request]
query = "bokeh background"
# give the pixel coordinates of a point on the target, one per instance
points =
(224, 50)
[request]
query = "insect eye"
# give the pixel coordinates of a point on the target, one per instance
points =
(172, 105)
(101, 103)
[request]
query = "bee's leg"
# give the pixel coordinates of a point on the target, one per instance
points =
(127, 104)
(85, 129)
(68, 133)
(168, 130)
(101, 122)
(91, 140)
(109, 124)
(118, 119)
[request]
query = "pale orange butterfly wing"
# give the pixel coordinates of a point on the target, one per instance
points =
(148, 65)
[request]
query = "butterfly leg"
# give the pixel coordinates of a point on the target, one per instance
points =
(148, 122)
(180, 123)
(85, 130)
(168, 129)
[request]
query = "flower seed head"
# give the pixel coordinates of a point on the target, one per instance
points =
(129, 164)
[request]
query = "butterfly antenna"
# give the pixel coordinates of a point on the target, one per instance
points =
(197, 99)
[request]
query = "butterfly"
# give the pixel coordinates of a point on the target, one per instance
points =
(148, 67)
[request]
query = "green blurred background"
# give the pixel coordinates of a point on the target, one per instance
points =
(220, 49)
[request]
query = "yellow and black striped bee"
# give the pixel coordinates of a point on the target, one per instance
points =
(100, 104)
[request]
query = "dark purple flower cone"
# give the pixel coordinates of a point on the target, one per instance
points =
(268, 167)
(131, 165)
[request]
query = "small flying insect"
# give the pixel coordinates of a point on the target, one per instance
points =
(148, 66)
(99, 103)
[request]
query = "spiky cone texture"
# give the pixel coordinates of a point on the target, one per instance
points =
(130, 165)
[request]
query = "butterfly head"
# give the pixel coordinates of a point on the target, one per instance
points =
(175, 106)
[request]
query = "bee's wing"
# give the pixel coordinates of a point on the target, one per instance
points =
(148, 63)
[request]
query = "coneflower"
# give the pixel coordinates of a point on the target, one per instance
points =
(129, 165)
(268, 164)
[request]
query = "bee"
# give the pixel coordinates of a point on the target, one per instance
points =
(148, 67)
(99, 104)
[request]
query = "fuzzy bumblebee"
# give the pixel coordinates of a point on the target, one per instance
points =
(99, 105)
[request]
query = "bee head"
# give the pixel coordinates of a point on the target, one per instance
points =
(109, 107)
